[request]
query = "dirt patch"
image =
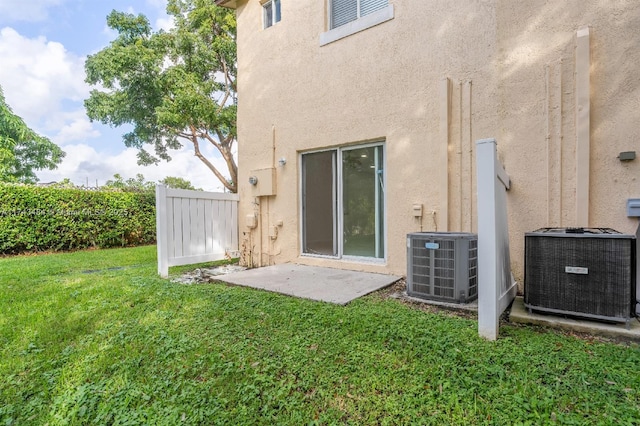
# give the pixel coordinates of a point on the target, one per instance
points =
(398, 291)
(206, 275)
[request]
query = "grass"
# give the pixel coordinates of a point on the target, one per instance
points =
(84, 343)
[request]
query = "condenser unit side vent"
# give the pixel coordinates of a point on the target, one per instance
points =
(442, 266)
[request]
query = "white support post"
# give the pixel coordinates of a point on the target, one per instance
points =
(487, 278)
(161, 231)
(496, 288)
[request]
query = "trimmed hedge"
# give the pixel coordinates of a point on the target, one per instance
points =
(44, 219)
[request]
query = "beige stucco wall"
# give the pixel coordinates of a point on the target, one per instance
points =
(511, 71)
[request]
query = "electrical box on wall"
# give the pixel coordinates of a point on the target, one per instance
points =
(251, 221)
(633, 207)
(263, 182)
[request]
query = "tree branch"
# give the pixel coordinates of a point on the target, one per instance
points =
(231, 186)
(224, 148)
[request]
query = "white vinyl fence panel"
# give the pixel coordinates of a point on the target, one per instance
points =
(194, 226)
(496, 286)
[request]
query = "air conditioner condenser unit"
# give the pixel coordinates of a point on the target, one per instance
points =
(442, 266)
(585, 272)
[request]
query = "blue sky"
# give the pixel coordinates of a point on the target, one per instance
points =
(43, 46)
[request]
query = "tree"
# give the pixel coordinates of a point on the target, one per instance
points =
(174, 86)
(64, 184)
(22, 151)
(178, 183)
(137, 184)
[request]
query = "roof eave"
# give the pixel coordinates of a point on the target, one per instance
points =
(231, 4)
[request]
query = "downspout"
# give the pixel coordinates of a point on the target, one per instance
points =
(547, 137)
(471, 174)
(445, 125)
(560, 144)
(583, 125)
(460, 164)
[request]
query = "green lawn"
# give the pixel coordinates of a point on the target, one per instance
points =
(82, 342)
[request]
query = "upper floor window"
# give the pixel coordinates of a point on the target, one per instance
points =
(271, 12)
(347, 17)
(345, 11)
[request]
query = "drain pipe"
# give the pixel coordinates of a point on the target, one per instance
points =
(273, 167)
(273, 146)
(260, 233)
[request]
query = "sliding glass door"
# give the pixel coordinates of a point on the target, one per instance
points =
(343, 202)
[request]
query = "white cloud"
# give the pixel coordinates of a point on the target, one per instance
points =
(77, 128)
(161, 5)
(110, 33)
(26, 10)
(38, 75)
(164, 23)
(84, 164)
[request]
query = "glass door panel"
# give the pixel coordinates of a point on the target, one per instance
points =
(319, 203)
(362, 202)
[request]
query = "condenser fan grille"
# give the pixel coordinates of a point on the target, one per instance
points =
(442, 266)
(589, 274)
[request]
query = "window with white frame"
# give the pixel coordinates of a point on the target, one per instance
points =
(345, 11)
(347, 17)
(271, 12)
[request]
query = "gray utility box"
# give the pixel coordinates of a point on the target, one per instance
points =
(633, 207)
(585, 272)
(442, 266)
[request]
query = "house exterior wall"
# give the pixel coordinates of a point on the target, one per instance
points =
(429, 83)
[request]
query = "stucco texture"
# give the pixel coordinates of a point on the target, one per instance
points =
(429, 83)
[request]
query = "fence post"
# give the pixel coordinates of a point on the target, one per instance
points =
(496, 288)
(161, 231)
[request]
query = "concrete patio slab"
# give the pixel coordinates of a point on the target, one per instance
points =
(519, 314)
(311, 282)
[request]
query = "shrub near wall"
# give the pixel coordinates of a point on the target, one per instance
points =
(42, 218)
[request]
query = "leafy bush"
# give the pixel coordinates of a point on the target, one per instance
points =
(41, 219)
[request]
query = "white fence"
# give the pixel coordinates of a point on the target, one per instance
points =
(194, 226)
(496, 286)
